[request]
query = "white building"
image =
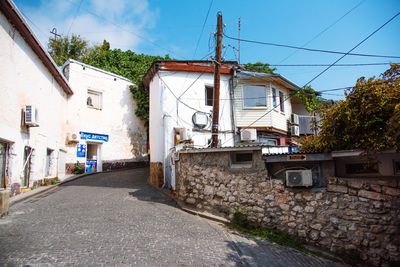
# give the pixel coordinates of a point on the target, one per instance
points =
(254, 109)
(48, 123)
(181, 103)
(30, 85)
(102, 120)
(266, 108)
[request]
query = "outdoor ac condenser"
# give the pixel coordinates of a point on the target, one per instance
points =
(294, 130)
(298, 178)
(248, 135)
(294, 119)
(31, 116)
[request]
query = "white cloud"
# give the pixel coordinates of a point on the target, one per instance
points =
(133, 17)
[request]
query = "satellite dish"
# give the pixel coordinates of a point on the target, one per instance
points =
(200, 119)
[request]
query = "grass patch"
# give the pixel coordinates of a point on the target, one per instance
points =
(242, 224)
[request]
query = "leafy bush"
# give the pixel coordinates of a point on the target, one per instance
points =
(78, 168)
(368, 119)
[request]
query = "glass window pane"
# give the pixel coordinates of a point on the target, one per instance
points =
(254, 96)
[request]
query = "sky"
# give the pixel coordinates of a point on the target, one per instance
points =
(175, 27)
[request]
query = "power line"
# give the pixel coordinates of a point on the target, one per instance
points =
(202, 29)
(322, 72)
(309, 49)
(76, 14)
(324, 30)
(365, 39)
(337, 65)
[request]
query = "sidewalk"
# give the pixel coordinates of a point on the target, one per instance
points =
(23, 196)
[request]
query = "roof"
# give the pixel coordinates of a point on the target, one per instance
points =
(247, 147)
(96, 69)
(14, 16)
(261, 76)
(202, 66)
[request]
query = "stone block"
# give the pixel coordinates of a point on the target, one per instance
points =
(370, 195)
(391, 191)
(376, 187)
(208, 190)
(4, 202)
(284, 207)
(355, 184)
(316, 226)
(337, 188)
(191, 201)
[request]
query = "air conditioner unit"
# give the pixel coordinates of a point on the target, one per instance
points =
(248, 135)
(294, 119)
(31, 116)
(294, 130)
(298, 178)
(73, 137)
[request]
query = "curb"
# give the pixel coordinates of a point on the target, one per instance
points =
(24, 196)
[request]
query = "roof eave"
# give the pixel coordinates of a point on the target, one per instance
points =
(14, 16)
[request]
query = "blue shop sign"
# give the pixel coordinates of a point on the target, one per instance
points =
(81, 151)
(94, 136)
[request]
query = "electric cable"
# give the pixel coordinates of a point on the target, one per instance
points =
(324, 30)
(202, 29)
(322, 72)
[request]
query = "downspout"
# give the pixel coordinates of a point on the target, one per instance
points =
(165, 150)
(232, 95)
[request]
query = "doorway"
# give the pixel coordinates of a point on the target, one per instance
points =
(27, 166)
(3, 164)
(49, 162)
(93, 158)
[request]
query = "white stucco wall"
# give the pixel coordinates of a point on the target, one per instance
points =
(248, 116)
(116, 118)
(24, 80)
(166, 112)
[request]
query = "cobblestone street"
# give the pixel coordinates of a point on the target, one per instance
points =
(117, 219)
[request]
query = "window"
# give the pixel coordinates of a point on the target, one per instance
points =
(267, 141)
(94, 99)
(396, 165)
(274, 97)
(362, 168)
(242, 159)
(281, 102)
(254, 96)
(209, 95)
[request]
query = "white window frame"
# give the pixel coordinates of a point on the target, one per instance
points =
(99, 94)
(266, 96)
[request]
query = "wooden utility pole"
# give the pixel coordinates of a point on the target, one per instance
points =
(217, 78)
(239, 41)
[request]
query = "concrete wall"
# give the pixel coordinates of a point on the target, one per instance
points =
(354, 218)
(24, 80)
(116, 118)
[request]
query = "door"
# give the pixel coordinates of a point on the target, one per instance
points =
(49, 162)
(3, 160)
(27, 166)
(62, 159)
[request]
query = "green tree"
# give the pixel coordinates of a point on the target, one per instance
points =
(259, 67)
(125, 63)
(64, 48)
(368, 118)
(311, 98)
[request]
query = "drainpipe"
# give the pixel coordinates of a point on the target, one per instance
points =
(165, 137)
(232, 95)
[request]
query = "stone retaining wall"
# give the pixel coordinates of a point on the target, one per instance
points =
(355, 217)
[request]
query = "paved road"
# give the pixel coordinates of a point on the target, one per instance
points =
(117, 219)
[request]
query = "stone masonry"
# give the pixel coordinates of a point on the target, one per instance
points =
(357, 218)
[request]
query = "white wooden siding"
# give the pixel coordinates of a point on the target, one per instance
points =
(246, 116)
